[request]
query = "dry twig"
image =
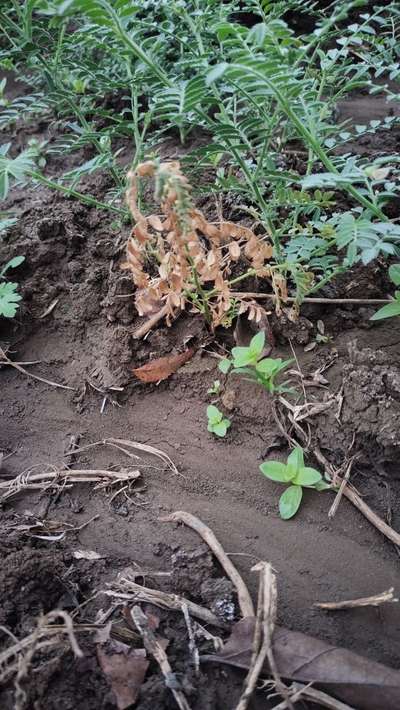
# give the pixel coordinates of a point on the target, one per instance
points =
(244, 598)
(63, 478)
(4, 360)
(193, 650)
(343, 484)
(126, 446)
(154, 647)
(150, 323)
(306, 692)
(358, 502)
(348, 491)
(263, 633)
(128, 590)
(375, 600)
(18, 657)
(334, 301)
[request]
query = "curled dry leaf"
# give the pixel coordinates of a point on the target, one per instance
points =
(351, 678)
(125, 673)
(162, 367)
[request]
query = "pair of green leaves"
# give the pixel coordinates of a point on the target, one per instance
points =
(298, 476)
(392, 309)
(9, 297)
(246, 360)
(217, 423)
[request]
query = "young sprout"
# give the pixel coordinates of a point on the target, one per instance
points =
(9, 298)
(298, 476)
(392, 309)
(246, 361)
(217, 423)
(215, 387)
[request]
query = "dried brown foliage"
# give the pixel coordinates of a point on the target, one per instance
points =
(162, 367)
(181, 256)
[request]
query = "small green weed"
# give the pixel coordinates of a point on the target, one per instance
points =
(392, 309)
(8, 290)
(217, 423)
(298, 476)
(215, 387)
(246, 361)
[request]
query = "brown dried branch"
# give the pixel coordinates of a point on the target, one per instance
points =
(354, 497)
(375, 600)
(291, 299)
(150, 323)
(63, 478)
(348, 491)
(4, 360)
(193, 650)
(244, 598)
(306, 692)
(17, 658)
(263, 633)
(128, 590)
(154, 647)
(126, 446)
(343, 484)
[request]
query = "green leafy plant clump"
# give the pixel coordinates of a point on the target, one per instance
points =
(249, 361)
(297, 476)
(392, 309)
(217, 423)
(9, 298)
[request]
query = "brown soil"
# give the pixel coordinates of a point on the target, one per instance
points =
(72, 255)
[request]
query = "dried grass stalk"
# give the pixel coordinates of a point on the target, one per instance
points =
(17, 658)
(305, 692)
(64, 478)
(263, 633)
(153, 646)
(127, 590)
(244, 598)
(127, 447)
(56, 477)
(375, 600)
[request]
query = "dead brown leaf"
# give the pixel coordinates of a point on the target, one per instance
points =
(351, 678)
(162, 367)
(125, 673)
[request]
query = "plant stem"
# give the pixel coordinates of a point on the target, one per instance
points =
(310, 140)
(199, 289)
(87, 199)
(291, 299)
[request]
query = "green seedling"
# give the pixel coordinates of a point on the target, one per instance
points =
(215, 387)
(9, 297)
(217, 423)
(247, 361)
(298, 476)
(392, 309)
